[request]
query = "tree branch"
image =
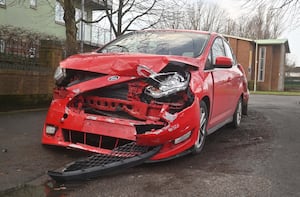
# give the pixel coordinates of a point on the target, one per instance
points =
(109, 16)
(128, 9)
(138, 16)
(101, 18)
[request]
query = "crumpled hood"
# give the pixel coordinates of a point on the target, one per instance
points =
(122, 64)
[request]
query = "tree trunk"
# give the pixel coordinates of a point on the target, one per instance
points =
(120, 17)
(71, 29)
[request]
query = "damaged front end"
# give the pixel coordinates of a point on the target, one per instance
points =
(100, 112)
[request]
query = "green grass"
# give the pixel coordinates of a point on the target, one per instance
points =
(276, 93)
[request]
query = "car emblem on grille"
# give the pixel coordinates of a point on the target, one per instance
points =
(113, 78)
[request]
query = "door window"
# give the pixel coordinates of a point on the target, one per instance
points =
(229, 52)
(217, 49)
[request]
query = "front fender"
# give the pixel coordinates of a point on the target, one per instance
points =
(178, 124)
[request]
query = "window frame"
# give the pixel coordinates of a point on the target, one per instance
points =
(59, 14)
(2, 3)
(33, 4)
(2, 46)
(261, 64)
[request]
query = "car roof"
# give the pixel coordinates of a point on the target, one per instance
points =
(178, 30)
(212, 34)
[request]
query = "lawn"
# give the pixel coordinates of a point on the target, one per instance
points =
(277, 93)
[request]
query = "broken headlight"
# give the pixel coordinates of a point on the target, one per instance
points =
(59, 75)
(165, 84)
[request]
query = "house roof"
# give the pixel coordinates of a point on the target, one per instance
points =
(295, 70)
(274, 42)
(264, 41)
(237, 37)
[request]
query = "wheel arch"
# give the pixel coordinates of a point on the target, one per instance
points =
(244, 104)
(207, 102)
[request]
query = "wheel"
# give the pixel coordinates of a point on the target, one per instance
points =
(237, 116)
(202, 130)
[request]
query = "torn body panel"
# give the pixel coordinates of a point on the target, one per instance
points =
(103, 113)
(123, 64)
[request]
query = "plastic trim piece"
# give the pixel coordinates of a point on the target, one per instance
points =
(71, 173)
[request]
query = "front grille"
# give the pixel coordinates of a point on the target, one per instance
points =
(97, 165)
(127, 151)
(99, 141)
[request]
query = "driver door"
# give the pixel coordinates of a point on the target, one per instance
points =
(221, 102)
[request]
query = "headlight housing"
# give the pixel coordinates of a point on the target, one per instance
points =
(60, 74)
(164, 84)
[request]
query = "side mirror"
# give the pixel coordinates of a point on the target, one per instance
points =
(223, 62)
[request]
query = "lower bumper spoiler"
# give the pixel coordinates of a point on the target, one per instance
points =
(97, 165)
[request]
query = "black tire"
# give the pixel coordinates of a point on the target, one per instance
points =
(237, 116)
(245, 109)
(202, 130)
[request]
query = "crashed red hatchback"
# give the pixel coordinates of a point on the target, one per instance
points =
(161, 87)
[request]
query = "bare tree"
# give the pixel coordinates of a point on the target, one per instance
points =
(199, 15)
(129, 15)
(264, 23)
(290, 64)
(215, 18)
(232, 27)
(195, 15)
(290, 9)
(173, 16)
(132, 14)
(70, 24)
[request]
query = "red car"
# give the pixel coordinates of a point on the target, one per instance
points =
(168, 88)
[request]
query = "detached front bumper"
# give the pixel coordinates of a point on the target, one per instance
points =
(102, 134)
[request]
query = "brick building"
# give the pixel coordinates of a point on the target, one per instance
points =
(263, 61)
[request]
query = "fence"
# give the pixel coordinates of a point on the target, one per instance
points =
(292, 84)
(18, 54)
(26, 69)
(26, 72)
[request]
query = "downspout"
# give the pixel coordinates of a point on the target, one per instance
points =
(250, 66)
(255, 66)
(281, 69)
(271, 69)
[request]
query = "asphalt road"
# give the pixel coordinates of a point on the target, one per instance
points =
(261, 158)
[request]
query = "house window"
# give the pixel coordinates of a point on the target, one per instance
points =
(77, 18)
(2, 3)
(261, 64)
(59, 13)
(33, 4)
(2, 46)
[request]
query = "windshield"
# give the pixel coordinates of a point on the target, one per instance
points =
(162, 43)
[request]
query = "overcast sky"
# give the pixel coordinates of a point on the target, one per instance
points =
(234, 7)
